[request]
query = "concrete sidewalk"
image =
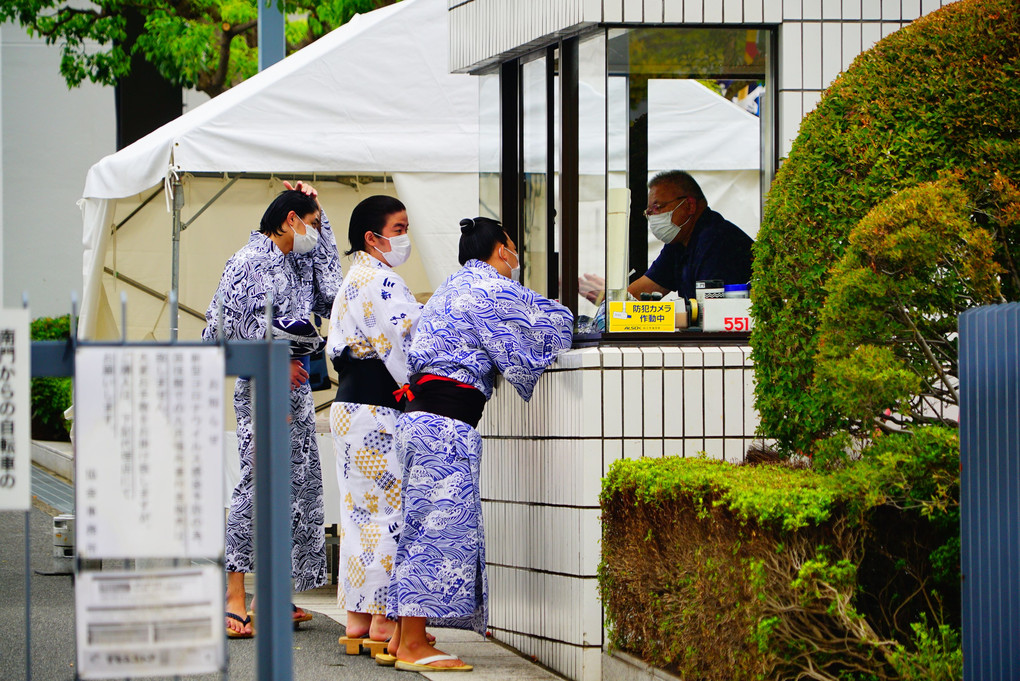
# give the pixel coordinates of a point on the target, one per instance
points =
(317, 655)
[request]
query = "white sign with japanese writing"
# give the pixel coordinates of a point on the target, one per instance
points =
(149, 622)
(148, 453)
(15, 412)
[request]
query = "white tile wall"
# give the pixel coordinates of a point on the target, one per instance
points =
(693, 11)
(633, 11)
(791, 61)
(543, 465)
(832, 52)
(811, 36)
(673, 11)
(713, 11)
(754, 11)
(733, 11)
(653, 11)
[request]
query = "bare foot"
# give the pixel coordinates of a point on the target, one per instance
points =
(235, 605)
(358, 624)
(418, 651)
(381, 628)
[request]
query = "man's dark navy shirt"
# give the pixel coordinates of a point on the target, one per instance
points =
(717, 249)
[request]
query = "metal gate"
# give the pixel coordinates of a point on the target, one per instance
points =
(990, 491)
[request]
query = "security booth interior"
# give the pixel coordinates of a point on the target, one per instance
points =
(574, 133)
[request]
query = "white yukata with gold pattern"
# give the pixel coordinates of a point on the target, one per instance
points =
(375, 315)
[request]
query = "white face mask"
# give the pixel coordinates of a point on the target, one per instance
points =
(515, 271)
(400, 249)
(662, 226)
(305, 243)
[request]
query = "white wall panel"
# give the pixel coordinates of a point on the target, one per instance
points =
(793, 10)
(812, 55)
(870, 34)
(713, 11)
(633, 11)
(832, 10)
(733, 11)
(871, 9)
(694, 11)
(891, 10)
(653, 11)
(811, 99)
(791, 68)
(812, 9)
(673, 11)
(832, 52)
(754, 11)
(851, 44)
(851, 9)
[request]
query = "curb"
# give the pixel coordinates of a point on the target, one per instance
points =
(57, 457)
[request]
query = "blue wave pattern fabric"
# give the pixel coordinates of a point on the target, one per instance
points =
(476, 326)
(300, 285)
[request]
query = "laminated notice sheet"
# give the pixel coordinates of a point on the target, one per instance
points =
(149, 622)
(148, 454)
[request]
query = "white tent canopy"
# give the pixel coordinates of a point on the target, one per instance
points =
(369, 108)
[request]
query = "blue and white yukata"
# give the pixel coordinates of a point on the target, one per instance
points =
(300, 285)
(374, 316)
(477, 325)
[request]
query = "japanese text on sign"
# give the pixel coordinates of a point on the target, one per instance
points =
(642, 316)
(149, 622)
(149, 455)
(15, 423)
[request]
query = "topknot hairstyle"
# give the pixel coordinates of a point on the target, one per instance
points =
(479, 238)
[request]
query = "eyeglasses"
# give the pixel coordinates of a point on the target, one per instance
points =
(656, 208)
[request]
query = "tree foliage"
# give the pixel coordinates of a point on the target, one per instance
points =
(209, 45)
(897, 209)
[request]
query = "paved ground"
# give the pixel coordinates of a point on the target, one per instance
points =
(317, 655)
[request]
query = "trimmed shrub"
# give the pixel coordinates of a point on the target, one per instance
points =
(51, 396)
(898, 207)
(715, 571)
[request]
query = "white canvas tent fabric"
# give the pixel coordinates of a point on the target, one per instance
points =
(368, 108)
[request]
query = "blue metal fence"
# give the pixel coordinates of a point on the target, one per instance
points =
(990, 491)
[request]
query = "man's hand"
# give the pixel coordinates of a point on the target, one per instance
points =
(304, 188)
(298, 375)
(592, 287)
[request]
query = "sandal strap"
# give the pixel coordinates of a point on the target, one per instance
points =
(235, 616)
(435, 658)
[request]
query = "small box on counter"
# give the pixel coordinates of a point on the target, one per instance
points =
(727, 314)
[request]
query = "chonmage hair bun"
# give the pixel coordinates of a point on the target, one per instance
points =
(467, 225)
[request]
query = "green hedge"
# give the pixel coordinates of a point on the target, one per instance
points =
(715, 571)
(51, 396)
(930, 108)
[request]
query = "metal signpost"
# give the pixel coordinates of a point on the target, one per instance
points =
(154, 409)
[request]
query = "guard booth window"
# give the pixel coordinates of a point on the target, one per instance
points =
(591, 119)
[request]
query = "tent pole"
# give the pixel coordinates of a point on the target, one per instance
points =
(175, 265)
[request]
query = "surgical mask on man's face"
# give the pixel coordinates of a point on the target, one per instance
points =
(662, 226)
(304, 243)
(400, 249)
